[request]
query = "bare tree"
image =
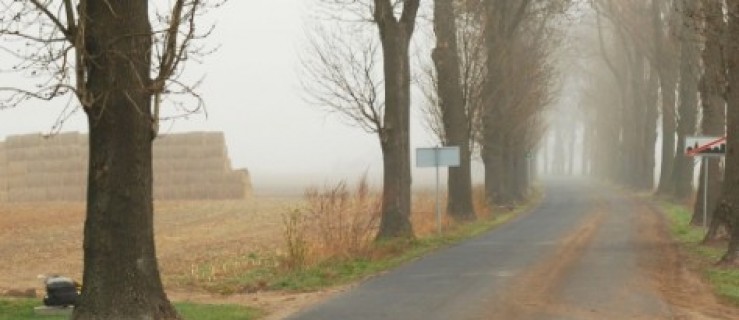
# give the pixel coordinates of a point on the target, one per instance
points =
(512, 28)
(342, 74)
(682, 174)
(713, 103)
(664, 48)
(471, 56)
(390, 119)
(118, 63)
(455, 111)
(629, 58)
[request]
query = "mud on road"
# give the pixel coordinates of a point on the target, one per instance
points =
(676, 291)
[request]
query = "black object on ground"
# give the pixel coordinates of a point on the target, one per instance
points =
(60, 291)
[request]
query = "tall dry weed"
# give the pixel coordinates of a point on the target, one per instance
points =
(342, 222)
(296, 246)
(480, 202)
(423, 215)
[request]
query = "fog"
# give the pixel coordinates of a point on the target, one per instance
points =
(253, 95)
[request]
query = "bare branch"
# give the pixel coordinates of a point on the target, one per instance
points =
(341, 74)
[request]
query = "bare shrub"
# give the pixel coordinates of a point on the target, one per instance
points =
(479, 201)
(423, 216)
(343, 222)
(294, 235)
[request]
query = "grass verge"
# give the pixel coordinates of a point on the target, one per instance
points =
(724, 280)
(17, 309)
(382, 257)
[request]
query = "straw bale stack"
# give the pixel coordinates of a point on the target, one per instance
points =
(39, 168)
(194, 166)
(186, 166)
(246, 181)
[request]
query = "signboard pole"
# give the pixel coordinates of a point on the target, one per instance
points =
(705, 192)
(438, 211)
(705, 147)
(438, 157)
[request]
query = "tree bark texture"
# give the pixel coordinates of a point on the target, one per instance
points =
(454, 115)
(669, 127)
(634, 113)
(731, 180)
(502, 23)
(492, 148)
(667, 79)
(649, 127)
(682, 174)
(395, 37)
(121, 276)
(712, 88)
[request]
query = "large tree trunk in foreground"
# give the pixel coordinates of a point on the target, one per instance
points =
(731, 180)
(121, 277)
(454, 116)
(395, 37)
(713, 103)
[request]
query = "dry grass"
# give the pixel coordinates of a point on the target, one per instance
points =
(342, 222)
(201, 244)
(196, 241)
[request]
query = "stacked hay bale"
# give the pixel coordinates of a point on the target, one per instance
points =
(46, 168)
(195, 166)
(191, 166)
(245, 181)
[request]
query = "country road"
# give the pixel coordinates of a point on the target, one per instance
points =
(587, 252)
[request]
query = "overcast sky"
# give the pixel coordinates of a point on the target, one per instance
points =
(254, 97)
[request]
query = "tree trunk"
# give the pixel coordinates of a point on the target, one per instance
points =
(519, 179)
(712, 86)
(731, 180)
(650, 131)
(571, 141)
(492, 148)
(510, 175)
(455, 119)
(544, 156)
(683, 170)
(121, 277)
(665, 68)
(499, 29)
(585, 154)
(634, 113)
(395, 37)
(667, 83)
(396, 192)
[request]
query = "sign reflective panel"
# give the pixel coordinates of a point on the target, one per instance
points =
(437, 157)
(705, 146)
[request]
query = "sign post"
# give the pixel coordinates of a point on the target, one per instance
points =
(705, 147)
(705, 192)
(437, 157)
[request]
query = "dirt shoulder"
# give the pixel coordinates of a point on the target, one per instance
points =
(682, 286)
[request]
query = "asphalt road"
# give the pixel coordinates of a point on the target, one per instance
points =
(574, 257)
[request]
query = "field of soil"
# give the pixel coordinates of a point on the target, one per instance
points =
(196, 241)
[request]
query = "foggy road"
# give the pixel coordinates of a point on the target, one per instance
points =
(574, 257)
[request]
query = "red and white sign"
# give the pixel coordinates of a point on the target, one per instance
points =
(705, 146)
